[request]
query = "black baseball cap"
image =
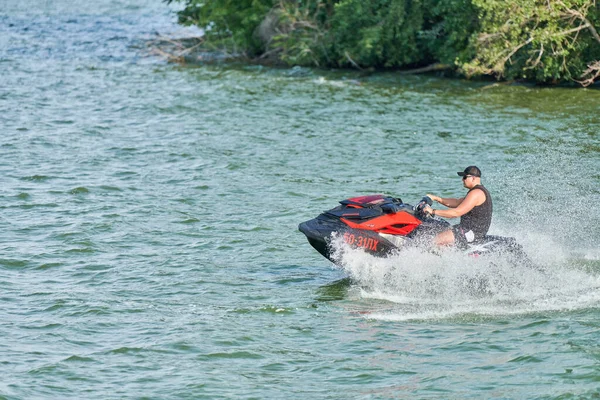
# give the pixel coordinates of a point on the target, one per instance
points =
(471, 170)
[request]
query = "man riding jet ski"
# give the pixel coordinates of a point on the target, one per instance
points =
(381, 224)
(474, 210)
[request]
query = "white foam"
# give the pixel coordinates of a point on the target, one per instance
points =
(422, 285)
(334, 83)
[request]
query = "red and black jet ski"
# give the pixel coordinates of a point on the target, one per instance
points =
(380, 225)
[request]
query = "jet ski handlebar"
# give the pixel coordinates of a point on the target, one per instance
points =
(420, 206)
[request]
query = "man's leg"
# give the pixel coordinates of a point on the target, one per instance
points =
(445, 238)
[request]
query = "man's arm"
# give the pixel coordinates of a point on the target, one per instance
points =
(474, 198)
(446, 201)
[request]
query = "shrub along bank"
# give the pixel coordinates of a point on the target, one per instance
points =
(545, 41)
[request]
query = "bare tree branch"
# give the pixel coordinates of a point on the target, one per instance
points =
(577, 14)
(428, 68)
(352, 61)
(593, 73)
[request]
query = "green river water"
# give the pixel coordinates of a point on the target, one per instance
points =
(148, 226)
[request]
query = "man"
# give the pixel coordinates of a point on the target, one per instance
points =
(474, 210)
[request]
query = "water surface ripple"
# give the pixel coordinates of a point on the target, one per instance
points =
(148, 233)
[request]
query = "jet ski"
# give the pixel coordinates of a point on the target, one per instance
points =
(381, 225)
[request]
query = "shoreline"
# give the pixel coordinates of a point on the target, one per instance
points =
(194, 51)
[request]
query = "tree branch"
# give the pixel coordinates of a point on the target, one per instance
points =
(428, 68)
(593, 72)
(586, 22)
(352, 61)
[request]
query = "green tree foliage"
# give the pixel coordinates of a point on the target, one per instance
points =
(378, 33)
(541, 40)
(449, 29)
(295, 32)
(229, 23)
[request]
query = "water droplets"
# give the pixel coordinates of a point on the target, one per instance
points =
(424, 285)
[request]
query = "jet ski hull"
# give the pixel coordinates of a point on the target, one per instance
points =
(320, 231)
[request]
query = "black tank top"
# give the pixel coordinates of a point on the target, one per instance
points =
(479, 218)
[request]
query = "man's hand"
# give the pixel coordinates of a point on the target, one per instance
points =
(427, 210)
(434, 197)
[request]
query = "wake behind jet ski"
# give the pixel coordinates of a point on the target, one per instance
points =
(381, 225)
